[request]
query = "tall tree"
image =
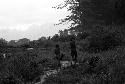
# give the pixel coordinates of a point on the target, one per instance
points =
(12, 43)
(23, 41)
(86, 12)
(3, 42)
(55, 38)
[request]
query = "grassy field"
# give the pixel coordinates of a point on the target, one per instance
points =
(110, 70)
(25, 66)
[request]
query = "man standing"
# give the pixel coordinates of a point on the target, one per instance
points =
(73, 50)
(57, 53)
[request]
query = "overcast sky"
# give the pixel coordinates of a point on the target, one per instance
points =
(18, 16)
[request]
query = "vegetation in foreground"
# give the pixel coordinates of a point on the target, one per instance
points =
(109, 70)
(98, 33)
(25, 66)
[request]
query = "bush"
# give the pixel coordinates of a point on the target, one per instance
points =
(83, 45)
(83, 35)
(48, 63)
(24, 67)
(46, 43)
(103, 39)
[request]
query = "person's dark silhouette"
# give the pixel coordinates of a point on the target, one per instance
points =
(57, 53)
(73, 50)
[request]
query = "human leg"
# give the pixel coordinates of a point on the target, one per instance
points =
(75, 56)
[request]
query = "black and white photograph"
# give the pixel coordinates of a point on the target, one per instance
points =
(62, 41)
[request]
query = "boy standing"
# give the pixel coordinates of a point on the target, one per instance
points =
(73, 50)
(57, 53)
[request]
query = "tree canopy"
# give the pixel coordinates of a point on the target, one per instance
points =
(84, 12)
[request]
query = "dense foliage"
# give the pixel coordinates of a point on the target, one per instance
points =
(97, 11)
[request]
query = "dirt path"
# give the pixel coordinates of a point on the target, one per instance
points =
(64, 64)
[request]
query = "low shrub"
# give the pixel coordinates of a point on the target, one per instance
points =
(103, 39)
(24, 67)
